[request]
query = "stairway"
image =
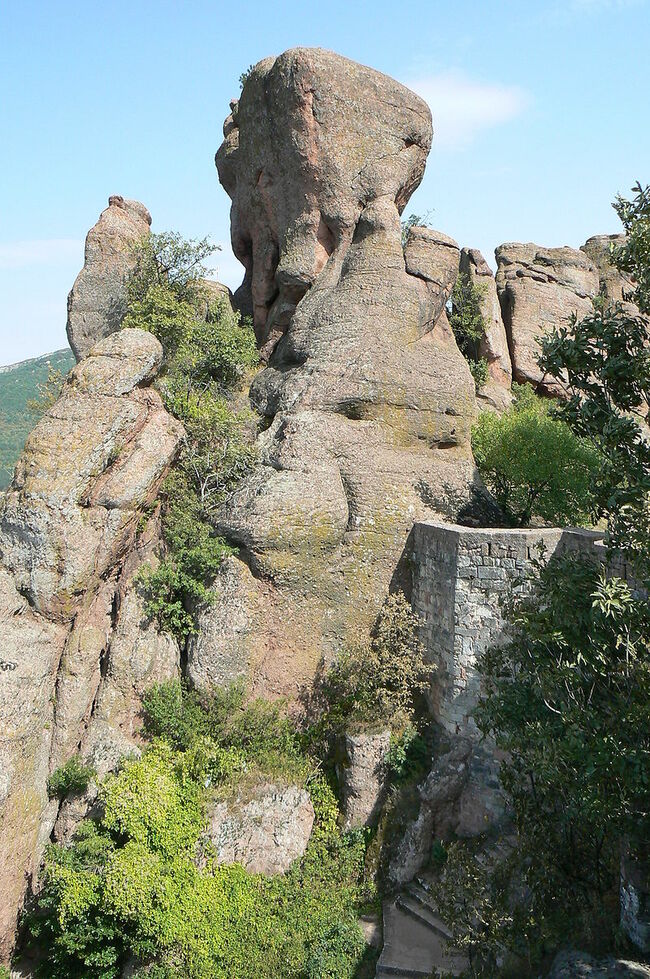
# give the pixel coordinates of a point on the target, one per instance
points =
(415, 938)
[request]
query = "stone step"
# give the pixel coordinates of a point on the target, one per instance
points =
(423, 896)
(413, 949)
(396, 970)
(423, 913)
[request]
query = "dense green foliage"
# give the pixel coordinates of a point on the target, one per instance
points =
(568, 699)
(208, 353)
(253, 737)
(71, 778)
(130, 883)
(534, 465)
(21, 384)
(467, 324)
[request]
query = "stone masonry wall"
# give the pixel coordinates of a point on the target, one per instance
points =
(460, 577)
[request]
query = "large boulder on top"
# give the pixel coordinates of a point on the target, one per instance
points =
(313, 138)
(540, 288)
(367, 400)
(96, 303)
(434, 257)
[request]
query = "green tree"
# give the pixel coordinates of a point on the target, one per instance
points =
(467, 324)
(606, 359)
(72, 777)
(171, 261)
(534, 465)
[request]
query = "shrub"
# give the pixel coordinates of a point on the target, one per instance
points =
(479, 371)
(207, 355)
(129, 885)
(414, 221)
(70, 779)
(377, 683)
(173, 712)
(49, 392)
(409, 753)
(181, 581)
(467, 324)
(466, 318)
(534, 465)
(223, 736)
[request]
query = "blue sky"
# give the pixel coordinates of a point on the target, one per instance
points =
(540, 110)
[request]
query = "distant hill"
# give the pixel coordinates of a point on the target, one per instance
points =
(18, 383)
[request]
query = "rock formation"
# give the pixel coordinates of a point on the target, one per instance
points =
(494, 345)
(460, 797)
(366, 408)
(265, 833)
(613, 284)
(77, 655)
(363, 778)
(539, 288)
(367, 402)
(579, 965)
(96, 304)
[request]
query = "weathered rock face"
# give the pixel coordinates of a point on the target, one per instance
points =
(313, 138)
(460, 797)
(613, 284)
(266, 833)
(539, 288)
(494, 345)
(364, 778)
(433, 257)
(96, 304)
(76, 653)
(635, 897)
(368, 402)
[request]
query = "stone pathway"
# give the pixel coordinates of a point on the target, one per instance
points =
(415, 938)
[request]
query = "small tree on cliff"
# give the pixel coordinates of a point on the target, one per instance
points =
(208, 352)
(534, 465)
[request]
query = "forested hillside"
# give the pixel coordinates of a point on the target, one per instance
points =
(18, 384)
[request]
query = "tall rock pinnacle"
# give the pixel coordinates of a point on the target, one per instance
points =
(367, 399)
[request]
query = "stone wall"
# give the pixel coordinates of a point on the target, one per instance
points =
(460, 578)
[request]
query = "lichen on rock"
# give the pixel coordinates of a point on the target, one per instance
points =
(365, 392)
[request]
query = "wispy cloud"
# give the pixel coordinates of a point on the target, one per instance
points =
(463, 108)
(45, 251)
